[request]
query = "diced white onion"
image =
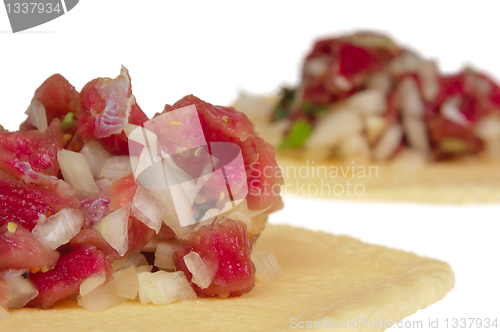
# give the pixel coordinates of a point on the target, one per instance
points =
(65, 190)
(388, 143)
(449, 110)
(488, 128)
(368, 101)
(147, 209)
(374, 126)
(410, 160)
(59, 229)
(101, 298)
(21, 291)
(411, 103)
(416, 133)
(257, 108)
(354, 145)
(427, 72)
(144, 268)
(333, 127)
(118, 264)
(127, 283)
(316, 66)
(203, 275)
(96, 156)
(406, 63)
(136, 260)
(379, 81)
(170, 217)
(164, 256)
(37, 115)
(272, 133)
(117, 167)
(267, 268)
(114, 229)
(164, 287)
(92, 283)
(76, 171)
(151, 245)
(341, 82)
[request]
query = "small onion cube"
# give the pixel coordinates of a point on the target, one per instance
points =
(96, 157)
(147, 209)
(144, 268)
(117, 167)
(409, 159)
(151, 245)
(164, 287)
(388, 143)
(488, 128)
(59, 229)
(37, 115)
(333, 128)
(127, 283)
(368, 101)
(267, 268)
(114, 229)
(92, 283)
(76, 171)
(257, 108)
(164, 256)
(451, 112)
(136, 259)
(101, 298)
(118, 264)
(202, 275)
(411, 102)
(21, 291)
(416, 133)
(374, 126)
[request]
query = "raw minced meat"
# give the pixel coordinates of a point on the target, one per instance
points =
(35, 195)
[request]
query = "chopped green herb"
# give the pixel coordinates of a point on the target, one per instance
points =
(297, 135)
(279, 113)
(310, 108)
(282, 108)
(68, 121)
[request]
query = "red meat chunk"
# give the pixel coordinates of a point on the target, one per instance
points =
(70, 271)
(23, 202)
(19, 249)
(227, 246)
(29, 155)
(349, 60)
(56, 95)
(225, 124)
(94, 238)
(103, 108)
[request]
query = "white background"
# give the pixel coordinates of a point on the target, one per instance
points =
(213, 49)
